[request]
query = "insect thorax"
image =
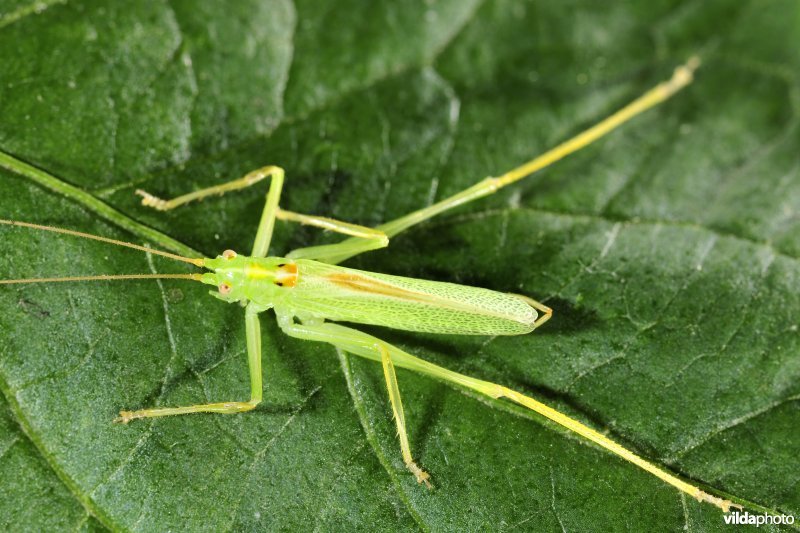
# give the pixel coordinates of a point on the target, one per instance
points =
(244, 278)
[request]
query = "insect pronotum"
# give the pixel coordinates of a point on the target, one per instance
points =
(310, 294)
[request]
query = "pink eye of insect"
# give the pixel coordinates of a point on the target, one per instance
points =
(224, 289)
(228, 254)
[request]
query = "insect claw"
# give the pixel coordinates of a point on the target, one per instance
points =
(421, 475)
(125, 417)
(723, 504)
(423, 478)
(148, 200)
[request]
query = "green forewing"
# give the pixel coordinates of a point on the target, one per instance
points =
(345, 294)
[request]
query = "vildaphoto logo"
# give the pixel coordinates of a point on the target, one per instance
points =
(745, 518)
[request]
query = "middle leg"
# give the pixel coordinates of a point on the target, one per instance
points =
(362, 344)
(399, 415)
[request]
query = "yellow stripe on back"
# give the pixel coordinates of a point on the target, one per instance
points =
(256, 271)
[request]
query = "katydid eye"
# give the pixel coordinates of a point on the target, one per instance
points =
(228, 254)
(224, 289)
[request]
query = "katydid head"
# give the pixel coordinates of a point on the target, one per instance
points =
(236, 278)
(241, 278)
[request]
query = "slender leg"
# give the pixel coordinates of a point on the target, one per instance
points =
(365, 345)
(331, 253)
(253, 329)
(251, 178)
(399, 416)
(681, 78)
(331, 224)
(376, 350)
(372, 238)
(364, 238)
(267, 223)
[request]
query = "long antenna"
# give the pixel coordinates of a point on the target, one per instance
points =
(195, 261)
(103, 277)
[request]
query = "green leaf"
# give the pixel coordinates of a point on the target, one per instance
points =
(670, 252)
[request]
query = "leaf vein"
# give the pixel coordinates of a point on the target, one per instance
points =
(634, 221)
(719, 429)
(262, 452)
(34, 8)
(167, 370)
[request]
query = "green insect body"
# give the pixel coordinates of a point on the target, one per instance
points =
(311, 295)
(320, 291)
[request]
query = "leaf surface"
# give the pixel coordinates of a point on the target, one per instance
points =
(670, 252)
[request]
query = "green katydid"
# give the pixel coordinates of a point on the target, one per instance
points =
(310, 293)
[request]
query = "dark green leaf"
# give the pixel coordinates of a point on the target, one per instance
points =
(670, 252)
